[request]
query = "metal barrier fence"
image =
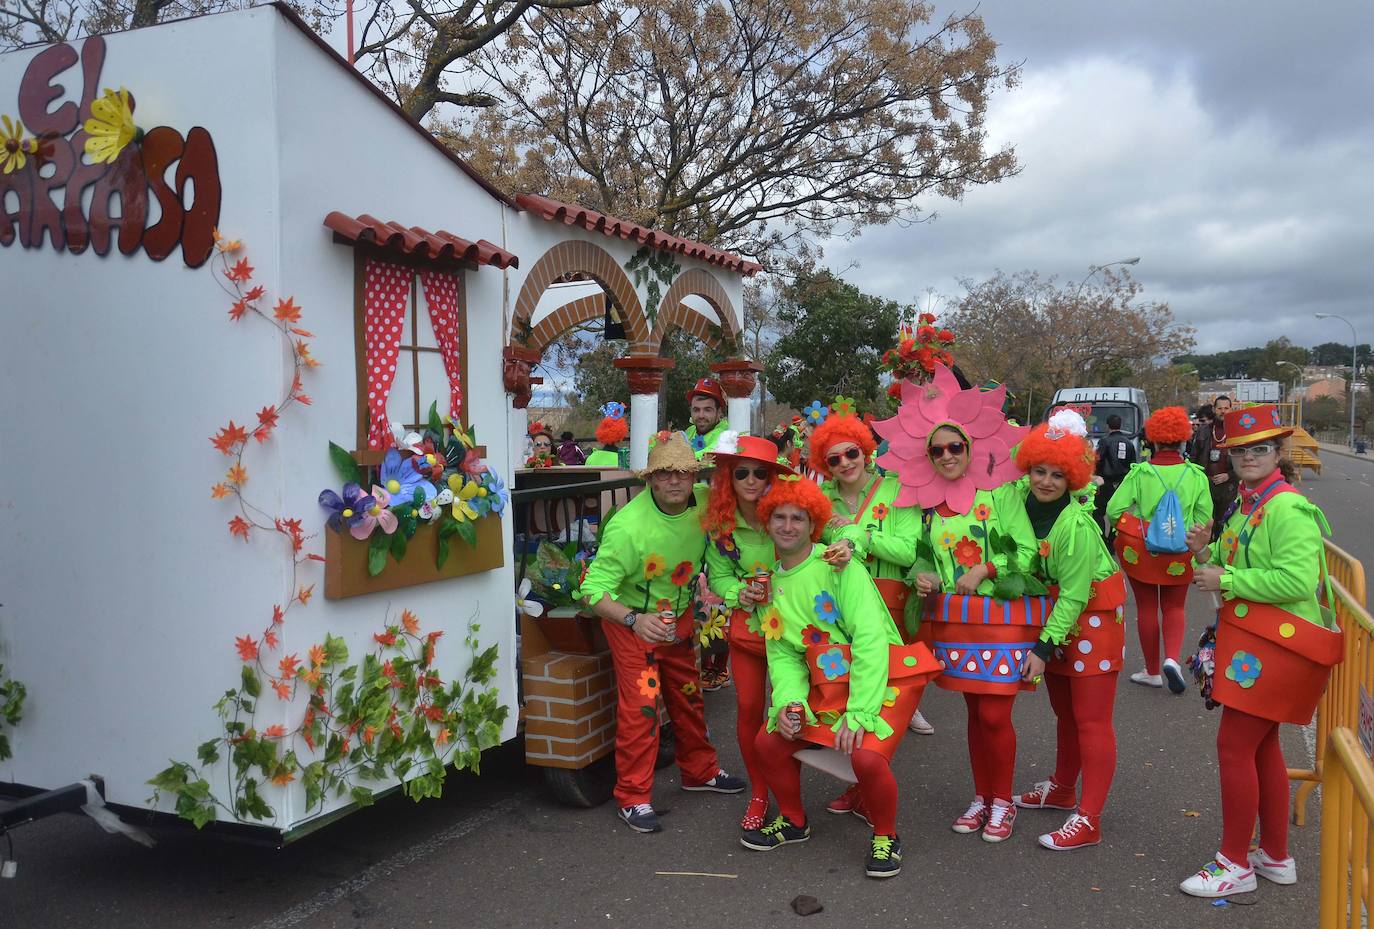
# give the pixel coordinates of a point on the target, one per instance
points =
(1348, 570)
(1347, 840)
(1351, 682)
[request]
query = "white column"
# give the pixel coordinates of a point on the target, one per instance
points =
(737, 410)
(643, 424)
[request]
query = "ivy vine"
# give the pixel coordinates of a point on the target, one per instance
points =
(653, 269)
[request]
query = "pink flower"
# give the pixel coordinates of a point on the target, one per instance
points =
(925, 407)
(377, 515)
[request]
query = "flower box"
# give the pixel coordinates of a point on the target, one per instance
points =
(345, 568)
(562, 629)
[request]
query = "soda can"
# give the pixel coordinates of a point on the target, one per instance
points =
(669, 619)
(795, 714)
(764, 580)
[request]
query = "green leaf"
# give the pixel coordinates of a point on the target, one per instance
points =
(208, 752)
(343, 463)
(649, 712)
(1010, 587)
(436, 425)
(442, 556)
(977, 532)
(335, 649)
(398, 546)
(376, 561)
(251, 685)
(447, 528)
(468, 531)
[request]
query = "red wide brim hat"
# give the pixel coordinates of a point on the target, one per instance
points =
(1254, 424)
(707, 387)
(751, 448)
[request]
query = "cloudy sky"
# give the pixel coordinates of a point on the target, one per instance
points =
(1229, 145)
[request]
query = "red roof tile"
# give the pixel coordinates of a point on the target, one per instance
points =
(436, 246)
(573, 215)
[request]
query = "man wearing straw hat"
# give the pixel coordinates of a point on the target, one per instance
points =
(641, 583)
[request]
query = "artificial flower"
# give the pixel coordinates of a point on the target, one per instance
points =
(880, 511)
(648, 683)
(947, 539)
(653, 566)
(698, 443)
(770, 624)
(14, 148)
(825, 608)
(474, 466)
(428, 461)
(682, 573)
(247, 647)
(111, 126)
(346, 510)
(401, 480)
(968, 552)
(1044, 548)
(713, 628)
(410, 621)
(814, 635)
(690, 687)
(843, 406)
(497, 493)
(982, 512)
(832, 664)
(462, 494)
(890, 696)
(375, 515)
(816, 413)
(1244, 669)
(406, 441)
(523, 603)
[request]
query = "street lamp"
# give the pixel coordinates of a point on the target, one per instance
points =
(1093, 269)
(1354, 367)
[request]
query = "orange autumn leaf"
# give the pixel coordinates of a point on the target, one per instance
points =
(369, 733)
(228, 437)
(317, 655)
(305, 332)
(278, 614)
(275, 731)
(238, 309)
(302, 398)
(287, 665)
(385, 638)
(269, 638)
(283, 778)
(241, 271)
(283, 690)
(442, 737)
(410, 622)
(267, 417)
(219, 491)
(247, 648)
(311, 677)
(255, 294)
(237, 475)
(287, 311)
(239, 526)
(304, 594)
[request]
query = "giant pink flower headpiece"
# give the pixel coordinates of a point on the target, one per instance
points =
(976, 413)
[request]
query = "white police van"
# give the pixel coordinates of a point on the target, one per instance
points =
(1098, 403)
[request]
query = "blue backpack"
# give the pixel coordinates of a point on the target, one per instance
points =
(1168, 532)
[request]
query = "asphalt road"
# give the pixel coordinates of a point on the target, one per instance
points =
(496, 851)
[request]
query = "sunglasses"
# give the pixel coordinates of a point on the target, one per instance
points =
(742, 473)
(851, 453)
(955, 449)
(1259, 450)
(542, 443)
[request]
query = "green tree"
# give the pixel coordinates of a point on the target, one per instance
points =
(832, 342)
(1267, 365)
(596, 380)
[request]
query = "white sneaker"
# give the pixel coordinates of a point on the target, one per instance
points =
(1220, 878)
(919, 725)
(1280, 871)
(1174, 675)
(1149, 680)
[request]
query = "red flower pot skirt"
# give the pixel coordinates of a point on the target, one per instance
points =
(1100, 645)
(981, 641)
(1140, 564)
(1272, 664)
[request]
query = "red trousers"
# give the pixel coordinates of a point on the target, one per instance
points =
(749, 672)
(636, 735)
(782, 772)
(1254, 782)
(991, 745)
(1150, 601)
(1086, 740)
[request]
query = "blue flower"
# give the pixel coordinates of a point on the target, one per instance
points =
(345, 510)
(401, 481)
(497, 496)
(698, 443)
(832, 664)
(1274, 417)
(1244, 669)
(1246, 421)
(614, 409)
(816, 413)
(826, 609)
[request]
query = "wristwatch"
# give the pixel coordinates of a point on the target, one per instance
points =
(628, 620)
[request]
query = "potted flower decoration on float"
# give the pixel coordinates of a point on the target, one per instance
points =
(430, 479)
(916, 354)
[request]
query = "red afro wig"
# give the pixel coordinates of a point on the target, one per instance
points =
(797, 491)
(1169, 426)
(832, 432)
(612, 430)
(1069, 454)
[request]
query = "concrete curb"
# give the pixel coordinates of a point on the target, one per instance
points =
(1343, 452)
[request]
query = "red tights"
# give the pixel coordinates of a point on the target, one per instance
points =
(991, 745)
(1254, 782)
(1086, 740)
(1150, 601)
(750, 675)
(877, 786)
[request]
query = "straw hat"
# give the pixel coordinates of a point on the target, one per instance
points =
(671, 453)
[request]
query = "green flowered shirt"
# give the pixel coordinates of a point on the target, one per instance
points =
(815, 602)
(1275, 555)
(733, 560)
(884, 535)
(647, 559)
(960, 542)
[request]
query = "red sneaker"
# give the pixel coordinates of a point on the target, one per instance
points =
(1078, 831)
(861, 811)
(1047, 795)
(845, 802)
(1000, 820)
(973, 819)
(754, 815)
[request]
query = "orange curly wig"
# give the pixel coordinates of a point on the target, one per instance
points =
(1069, 454)
(612, 430)
(832, 432)
(797, 491)
(718, 519)
(1169, 426)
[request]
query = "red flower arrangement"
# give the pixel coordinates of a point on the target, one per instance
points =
(917, 352)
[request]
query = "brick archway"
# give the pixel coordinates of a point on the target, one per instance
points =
(573, 257)
(672, 312)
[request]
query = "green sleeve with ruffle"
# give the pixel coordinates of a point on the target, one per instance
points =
(1072, 562)
(616, 559)
(1125, 494)
(791, 680)
(869, 625)
(1293, 567)
(721, 576)
(1009, 505)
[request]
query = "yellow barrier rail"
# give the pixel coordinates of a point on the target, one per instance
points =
(1340, 705)
(1347, 840)
(1348, 570)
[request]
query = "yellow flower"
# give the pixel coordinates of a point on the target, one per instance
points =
(947, 540)
(111, 126)
(690, 688)
(771, 625)
(461, 510)
(713, 628)
(14, 151)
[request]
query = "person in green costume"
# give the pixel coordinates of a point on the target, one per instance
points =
(610, 432)
(707, 409)
(841, 675)
(1274, 648)
(1081, 648)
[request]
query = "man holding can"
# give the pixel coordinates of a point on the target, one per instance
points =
(640, 582)
(841, 676)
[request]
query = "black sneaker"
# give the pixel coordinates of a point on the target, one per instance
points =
(779, 832)
(885, 858)
(722, 783)
(640, 817)
(1173, 676)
